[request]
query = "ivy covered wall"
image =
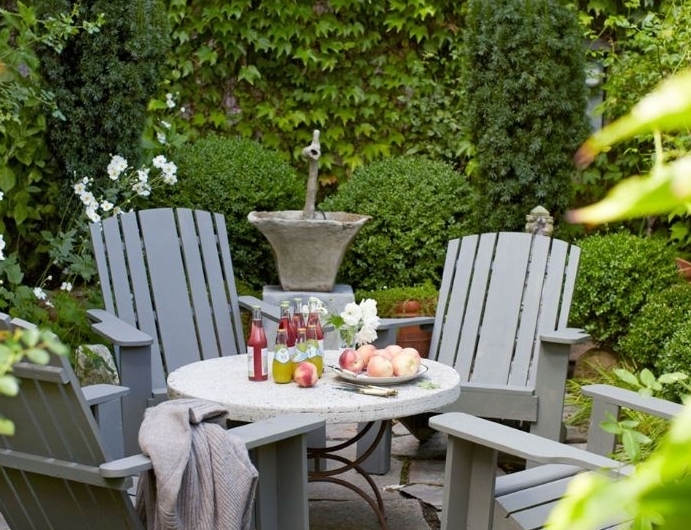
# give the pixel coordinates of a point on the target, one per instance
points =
(377, 78)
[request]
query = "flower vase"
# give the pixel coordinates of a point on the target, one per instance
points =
(346, 337)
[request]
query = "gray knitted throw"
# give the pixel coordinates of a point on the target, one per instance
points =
(202, 477)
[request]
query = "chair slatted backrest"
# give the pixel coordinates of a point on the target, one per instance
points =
(499, 291)
(169, 273)
(49, 468)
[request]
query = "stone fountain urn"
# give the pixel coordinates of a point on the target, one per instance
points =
(308, 245)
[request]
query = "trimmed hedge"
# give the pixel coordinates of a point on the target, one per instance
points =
(618, 273)
(234, 176)
(416, 205)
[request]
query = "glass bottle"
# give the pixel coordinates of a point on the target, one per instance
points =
(257, 353)
(298, 318)
(314, 320)
(282, 366)
(315, 354)
(287, 325)
(300, 353)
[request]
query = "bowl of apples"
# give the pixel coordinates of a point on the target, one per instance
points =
(386, 366)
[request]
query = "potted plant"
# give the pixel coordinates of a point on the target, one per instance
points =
(308, 245)
(420, 300)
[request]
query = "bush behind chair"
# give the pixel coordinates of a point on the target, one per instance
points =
(234, 176)
(416, 205)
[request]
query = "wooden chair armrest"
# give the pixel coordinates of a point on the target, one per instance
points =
(254, 435)
(275, 429)
(608, 400)
(102, 393)
(622, 397)
(269, 311)
(396, 323)
(125, 467)
(512, 441)
(565, 336)
(116, 330)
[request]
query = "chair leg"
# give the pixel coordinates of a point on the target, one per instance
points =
(469, 477)
(379, 462)
(282, 488)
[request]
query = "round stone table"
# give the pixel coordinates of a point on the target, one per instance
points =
(224, 381)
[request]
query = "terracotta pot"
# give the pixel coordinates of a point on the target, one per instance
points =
(684, 268)
(413, 336)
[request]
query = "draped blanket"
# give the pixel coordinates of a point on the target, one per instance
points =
(202, 477)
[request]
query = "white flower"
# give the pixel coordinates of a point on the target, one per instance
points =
(116, 167)
(143, 175)
(88, 199)
(159, 161)
(2, 247)
(66, 286)
(352, 314)
(79, 188)
(107, 206)
(91, 213)
(366, 335)
(168, 172)
(170, 102)
(2, 195)
(142, 189)
(357, 321)
(161, 138)
(165, 124)
(39, 293)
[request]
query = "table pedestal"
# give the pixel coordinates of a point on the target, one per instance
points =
(373, 431)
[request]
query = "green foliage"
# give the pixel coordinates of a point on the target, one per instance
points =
(618, 273)
(524, 86)
(646, 42)
(103, 82)
(639, 433)
(675, 356)
(416, 205)
(24, 104)
(235, 176)
(652, 327)
(32, 344)
(388, 299)
(376, 78)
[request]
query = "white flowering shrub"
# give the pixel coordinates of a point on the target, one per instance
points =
(127, 184)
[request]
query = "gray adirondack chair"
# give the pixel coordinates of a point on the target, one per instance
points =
(55, 472)
(105, 401)
(501, 321)
(168, 287)
(475, 497)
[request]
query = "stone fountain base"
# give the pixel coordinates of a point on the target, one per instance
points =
(308, 252)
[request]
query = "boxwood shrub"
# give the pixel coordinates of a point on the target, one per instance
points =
(416, 205)
(234, 176)
(675, 356)
(618, 273)
(651, 329)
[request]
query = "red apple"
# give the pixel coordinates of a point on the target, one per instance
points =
(413, 352)
(305, 374)
(394, 349)
(351, 360)
(383, 352)
(379, 366)
(404, 364)
(366, 351)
